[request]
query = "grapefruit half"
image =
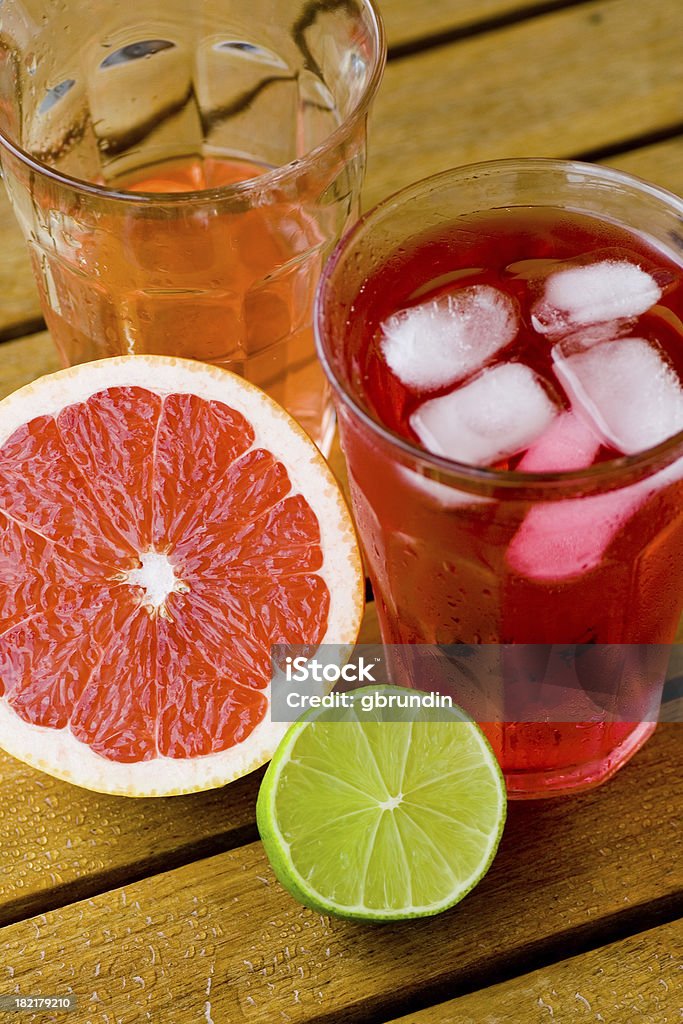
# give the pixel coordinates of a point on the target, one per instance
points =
(162, 524)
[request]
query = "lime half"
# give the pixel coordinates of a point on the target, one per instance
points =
(381, 820)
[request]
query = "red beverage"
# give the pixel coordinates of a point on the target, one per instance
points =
(540, 341)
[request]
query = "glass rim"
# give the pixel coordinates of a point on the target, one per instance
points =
(271, 179)
(639, 465)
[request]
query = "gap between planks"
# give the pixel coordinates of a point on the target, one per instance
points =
(624, 980)
(471, 19)
(497, 968)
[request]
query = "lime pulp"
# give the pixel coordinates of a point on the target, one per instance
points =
(380, 819)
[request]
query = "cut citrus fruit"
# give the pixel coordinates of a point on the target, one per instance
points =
(382, 820)
(162, 524)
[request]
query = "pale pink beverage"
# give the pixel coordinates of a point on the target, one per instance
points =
(234, 288)
(182, 171)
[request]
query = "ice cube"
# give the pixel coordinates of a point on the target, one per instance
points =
(558, 539)
(627, 390)
(561, 539)
(494, 416)
(443, 341)
(568, 443)
(579, 296)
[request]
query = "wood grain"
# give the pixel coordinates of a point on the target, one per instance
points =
(221, 935)
(19, 306)
(24, 359)
(635, 981)
(558, 85)
(661, 163)
(212, 937)
(408, 24)
(61, 843)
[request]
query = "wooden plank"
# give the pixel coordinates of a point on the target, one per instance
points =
(19, 306)
(566, 83)
(337, 464)
(408, 24)
(220, 937)
(62, 843)
(24, 359)
(635, 981)
(661, 163)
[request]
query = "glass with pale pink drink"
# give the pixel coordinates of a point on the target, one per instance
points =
(505, 342)
(181, 172)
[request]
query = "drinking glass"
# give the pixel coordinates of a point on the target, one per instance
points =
(436, 532)
(181, 171)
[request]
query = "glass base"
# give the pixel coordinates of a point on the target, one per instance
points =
(530, 785)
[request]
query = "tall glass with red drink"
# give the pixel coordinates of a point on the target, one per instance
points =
(505, 342)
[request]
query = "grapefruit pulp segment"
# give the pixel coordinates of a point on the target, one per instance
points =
(41, 488)
(111, 439)
(213, 438)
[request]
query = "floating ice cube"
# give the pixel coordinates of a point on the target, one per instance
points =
(567, 444)
(494, 416)
(561, 539)
(611, 290)
(631, 395)
(445, 340)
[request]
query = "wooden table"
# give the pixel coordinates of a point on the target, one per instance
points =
(166, 910)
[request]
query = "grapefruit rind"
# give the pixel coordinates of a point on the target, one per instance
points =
(58, 752)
